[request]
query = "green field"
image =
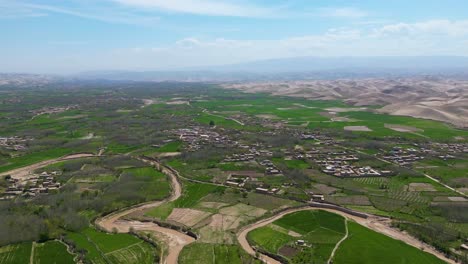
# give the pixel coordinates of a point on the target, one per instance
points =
(373, 247)
(174, 146)
(52, 252)
(201, 253)
(15, 254)
(156, 187)
(321, 230)
(112, 248)
(192, 194)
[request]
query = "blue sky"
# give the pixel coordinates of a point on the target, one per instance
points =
(66, 36)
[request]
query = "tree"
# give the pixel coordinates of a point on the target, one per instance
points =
(212, 123)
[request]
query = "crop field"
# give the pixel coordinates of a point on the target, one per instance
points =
(15, 254)
(299, 111)
(214, 254)
(320, 229)
(157, 186)
(114, 248)
(377, 248)
(52, 252)
(451, 171)
(192, 194)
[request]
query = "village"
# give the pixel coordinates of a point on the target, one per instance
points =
(34, 185)
(14, 143)
(52, 110)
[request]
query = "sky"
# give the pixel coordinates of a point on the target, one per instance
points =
(69, 36)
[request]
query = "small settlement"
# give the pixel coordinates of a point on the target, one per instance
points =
(34, 185)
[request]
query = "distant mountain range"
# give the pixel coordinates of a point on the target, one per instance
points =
(302, 68)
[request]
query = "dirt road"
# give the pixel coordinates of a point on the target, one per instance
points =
(175, 240)
(378, 224)
(23, 173)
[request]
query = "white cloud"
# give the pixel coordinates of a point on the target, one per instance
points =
(94, 12)
(203, 7)
(430, 27)
(344, 12)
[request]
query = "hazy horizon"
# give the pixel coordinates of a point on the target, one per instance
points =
(47, 36)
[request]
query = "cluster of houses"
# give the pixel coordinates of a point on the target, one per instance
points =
(251, 154)
(14, 143)
(52, 109)
(402, 156)
(270, 168)
(237, 180)
(35, 185)
(452, 148)
(196, 137)
(339, 164)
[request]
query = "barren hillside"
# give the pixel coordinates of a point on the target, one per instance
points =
(438, 99)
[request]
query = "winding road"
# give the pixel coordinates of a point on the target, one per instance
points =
(24, 172)
(175, 240)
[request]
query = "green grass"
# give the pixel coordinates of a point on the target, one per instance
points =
(33, 158)
(202, 253)
(304, 222)
(193, 192)
(52, 252)
(157, 185)
(366, 246)
(292, 164)
(174, 146)
(205, 118)
(448, 171)
(269, 239)
(82, 242)
(15, 254)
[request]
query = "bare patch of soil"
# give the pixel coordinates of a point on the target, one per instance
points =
(357, 128)
(186, 216)
(421, 187)
(288, 251)
(404, 129)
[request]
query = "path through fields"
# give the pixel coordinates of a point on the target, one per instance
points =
(339, 243)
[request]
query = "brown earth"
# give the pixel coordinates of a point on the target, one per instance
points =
(430, 98)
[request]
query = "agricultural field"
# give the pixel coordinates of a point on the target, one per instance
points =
(378, 248)
(241, 157)
(215, 254)
(52, 252)
(320, 231)
(112, 248)
(16, 253)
